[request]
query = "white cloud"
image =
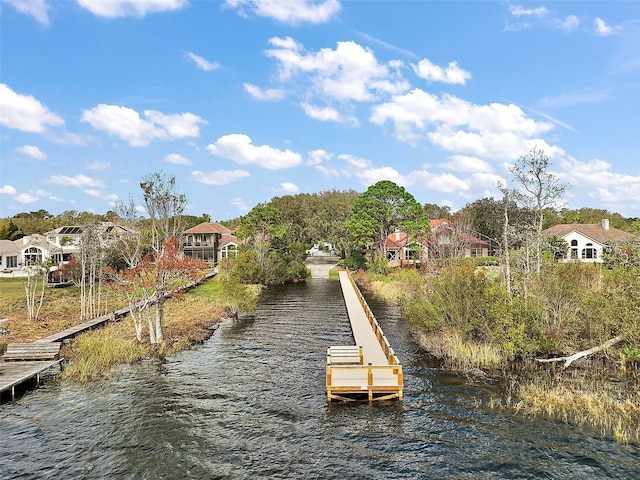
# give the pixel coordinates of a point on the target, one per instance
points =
(219, 177)
(443, 182)
(289, 187)
(98, 165)
(32, 151)
(239, 203)
(435, 73)
(24, 112)
(239, 148)
(177, 159)
(79, 180)
(316, 157)
(617, 191)
(268, 94)
(604, 30)
(570, 23)
(38, 9)
(7, 190)
(127, 124)
(324, 114)
(26, 198)
(488, 131)
(351, 72)
(110, 197)
(328, 172)
(126, 8)
(464, 163)
(520, 11)
(202, 63)
(291, 12)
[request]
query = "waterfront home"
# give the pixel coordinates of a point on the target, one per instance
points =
(586, 242)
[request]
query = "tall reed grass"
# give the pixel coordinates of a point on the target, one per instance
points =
(612, 408)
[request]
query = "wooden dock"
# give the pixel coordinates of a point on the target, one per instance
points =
(26, 361)
(369, 369)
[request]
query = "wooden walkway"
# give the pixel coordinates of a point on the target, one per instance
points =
(24, 362)
(369, 369)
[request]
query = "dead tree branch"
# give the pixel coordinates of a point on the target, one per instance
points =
(571, 358)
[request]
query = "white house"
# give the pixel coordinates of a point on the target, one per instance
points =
(30, 250)
(586, 241)
(59, 245)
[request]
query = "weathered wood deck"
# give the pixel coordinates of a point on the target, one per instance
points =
(370, 368)
(13, 374)
(23, 362)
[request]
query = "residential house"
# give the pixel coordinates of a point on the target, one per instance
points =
(68, 237)
(30, 250)
(586, 241)
(59, 245)
(210, 241)
(447, 239)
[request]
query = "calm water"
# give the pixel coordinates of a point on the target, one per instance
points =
(250, 403)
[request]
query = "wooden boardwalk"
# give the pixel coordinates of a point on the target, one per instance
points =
(27, 362)
(13, 374)
(369, 369)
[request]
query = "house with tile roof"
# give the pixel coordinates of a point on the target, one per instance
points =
(210, 241)
(447, 239)
(587, 241)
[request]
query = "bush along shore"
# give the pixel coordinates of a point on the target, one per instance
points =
(462, 316)
(92, 355)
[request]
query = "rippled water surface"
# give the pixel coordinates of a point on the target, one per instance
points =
(250, 403)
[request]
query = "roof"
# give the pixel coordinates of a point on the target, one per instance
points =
(595, 231)
(210, 227)
(7, 246)
(228, 240)
(103, 227)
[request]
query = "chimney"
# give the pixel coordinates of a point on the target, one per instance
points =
(397, 234)
(605, 223)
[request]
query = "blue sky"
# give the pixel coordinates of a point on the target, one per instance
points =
(245, 100)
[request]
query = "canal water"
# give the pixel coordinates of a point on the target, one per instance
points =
(250, 404)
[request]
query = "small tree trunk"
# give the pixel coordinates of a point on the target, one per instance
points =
(159, 319)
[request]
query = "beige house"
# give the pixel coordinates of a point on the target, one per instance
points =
(210, 241)
(587, 241)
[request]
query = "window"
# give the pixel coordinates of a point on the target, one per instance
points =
(229, 251)
(12, 262)
(391, 254)
(573, 254)
(32, 256)
(477, 252)
(589, 253)
(412, 254)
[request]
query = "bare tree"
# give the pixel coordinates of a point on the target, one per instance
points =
(451, 239)
(165, 207)
(34, 284)
(540, 189)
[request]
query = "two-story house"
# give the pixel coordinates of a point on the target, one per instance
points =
(210, 241)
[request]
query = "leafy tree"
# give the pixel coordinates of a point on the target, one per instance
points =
(433, 211)
(377, 212)
(151, 281)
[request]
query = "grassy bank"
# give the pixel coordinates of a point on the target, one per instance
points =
(607, 400)
(93, 354)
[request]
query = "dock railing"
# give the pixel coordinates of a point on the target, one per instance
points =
(347, 375)
(382, 339)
